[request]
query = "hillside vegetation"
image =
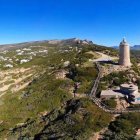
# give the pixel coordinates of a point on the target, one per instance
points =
(43, 106)
(124, 127)
(45, 87)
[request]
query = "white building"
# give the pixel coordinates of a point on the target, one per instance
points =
(107, 94)
(18, 50)
(126, 90)
(8, 66)
(132, 92)
(24, 61)
(20, 53)
(26, 49)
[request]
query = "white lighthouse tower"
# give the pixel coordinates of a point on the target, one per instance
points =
(124, 54)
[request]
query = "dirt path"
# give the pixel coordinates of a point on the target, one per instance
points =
(104, 57)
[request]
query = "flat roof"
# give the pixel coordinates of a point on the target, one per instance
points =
(111, 93)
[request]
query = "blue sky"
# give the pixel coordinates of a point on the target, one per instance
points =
(102, 21)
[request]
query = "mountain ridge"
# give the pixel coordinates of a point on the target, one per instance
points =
(50, 42)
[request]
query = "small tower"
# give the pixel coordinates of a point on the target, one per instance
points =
(124, 54)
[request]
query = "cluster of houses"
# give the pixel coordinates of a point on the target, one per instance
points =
(20, 56)
(31, 52)
(24, 55)
(70, 49)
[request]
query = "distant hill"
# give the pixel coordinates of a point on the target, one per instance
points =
(71, 41)
(115, 47)
(135, 47)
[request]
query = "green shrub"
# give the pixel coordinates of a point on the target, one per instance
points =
(110, 103)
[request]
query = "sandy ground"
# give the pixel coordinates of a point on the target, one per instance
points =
(113, 68)
(20, 87)
(110, 67)
(18, 83)
(104, 57)
(121, 104)
(5, 87)
(95, 54)
(98, 135)
(14, 71)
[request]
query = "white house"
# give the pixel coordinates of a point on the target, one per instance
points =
(8, 66)
(24, 61)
